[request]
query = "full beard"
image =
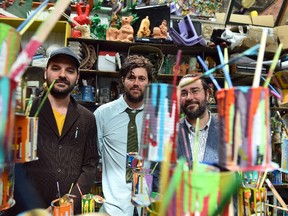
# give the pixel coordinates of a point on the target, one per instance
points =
(194, 114)
(61, 93)
(134, 99)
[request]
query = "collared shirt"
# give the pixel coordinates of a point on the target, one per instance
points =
(112, 122)
(203, 134)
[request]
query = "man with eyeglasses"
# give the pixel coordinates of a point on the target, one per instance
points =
(194, 104)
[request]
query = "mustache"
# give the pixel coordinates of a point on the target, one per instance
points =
(191, 102)
(135, 88)
(62, 81)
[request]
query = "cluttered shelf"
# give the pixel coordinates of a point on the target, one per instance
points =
(238, 78)
(167, 48)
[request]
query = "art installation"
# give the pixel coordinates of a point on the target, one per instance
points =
(186, 187)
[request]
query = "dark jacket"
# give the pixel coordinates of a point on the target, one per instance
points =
(69, 158)
(211, 150)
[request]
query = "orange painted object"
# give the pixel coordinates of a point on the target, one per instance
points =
(245, 140)
(65, 209)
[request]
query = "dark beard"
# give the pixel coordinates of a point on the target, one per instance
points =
(197, 113)
(63, 93)
(134, 99)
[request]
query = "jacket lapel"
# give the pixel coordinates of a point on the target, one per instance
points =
(71, 116)
(48, 116)
(183, 129)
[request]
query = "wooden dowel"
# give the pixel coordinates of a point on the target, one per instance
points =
(276, 194)
(277, 207)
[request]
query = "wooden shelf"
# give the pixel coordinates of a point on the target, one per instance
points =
(61, 28)
(110, 74)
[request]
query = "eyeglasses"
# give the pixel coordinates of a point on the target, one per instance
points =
(194, 92)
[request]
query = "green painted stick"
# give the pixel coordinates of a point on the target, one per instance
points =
(273, 65)
(44, 99)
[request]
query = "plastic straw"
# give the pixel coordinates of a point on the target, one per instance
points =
(44, 99)
(273, 65)
(250, 51)
(25, 24)
(210, 75)
(226, 72)
(256, 79)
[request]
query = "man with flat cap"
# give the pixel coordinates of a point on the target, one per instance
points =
(67, 149)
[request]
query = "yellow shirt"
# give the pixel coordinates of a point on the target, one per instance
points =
(60, 119)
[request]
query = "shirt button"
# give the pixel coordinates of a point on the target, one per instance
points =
(59, 170)
(60, 146)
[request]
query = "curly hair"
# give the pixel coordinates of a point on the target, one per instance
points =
(136, 61)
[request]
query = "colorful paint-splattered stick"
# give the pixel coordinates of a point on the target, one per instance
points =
(256, 79)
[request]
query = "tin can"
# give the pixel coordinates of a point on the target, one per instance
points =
(65, 209)
(88, 203)
(132, 161)
(25, 139)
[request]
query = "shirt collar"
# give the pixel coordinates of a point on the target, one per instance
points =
(123, 105)
(203, 129)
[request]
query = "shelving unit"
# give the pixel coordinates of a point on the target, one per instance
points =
(101, 77)
(59, 34)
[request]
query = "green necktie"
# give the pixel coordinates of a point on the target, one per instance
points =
(132, 139)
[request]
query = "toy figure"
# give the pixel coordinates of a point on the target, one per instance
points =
(82, 18)
(116, 8)
(111, 34)
(126, 31)
(144, 30)
(161, 31)
(83, 29)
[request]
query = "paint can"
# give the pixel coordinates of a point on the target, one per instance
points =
(88, 203)
(25, 139)
(64, 209)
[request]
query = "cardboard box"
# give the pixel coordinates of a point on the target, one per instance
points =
(263, 20)
(282, 35)
(254, 37)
